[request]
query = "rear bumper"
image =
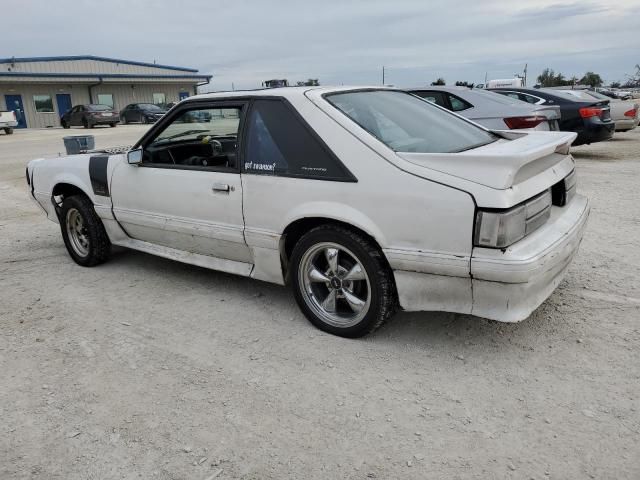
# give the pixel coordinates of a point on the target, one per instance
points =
(500, 285)
(595, 132)
(508, 286)
(101, 120)
(626, 124)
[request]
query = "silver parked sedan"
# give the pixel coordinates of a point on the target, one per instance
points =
(493, 111)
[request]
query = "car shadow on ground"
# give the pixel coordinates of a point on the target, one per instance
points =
(597, 156)
(421, 330)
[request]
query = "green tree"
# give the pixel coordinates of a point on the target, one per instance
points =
(615, 85)
(439, 81)
(311, 82)
(549, 78)
(592, 79)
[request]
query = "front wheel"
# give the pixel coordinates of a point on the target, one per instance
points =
(341, 281)
(112, 125)
(83, 232)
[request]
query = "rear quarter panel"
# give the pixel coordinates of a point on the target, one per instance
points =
(400, 210)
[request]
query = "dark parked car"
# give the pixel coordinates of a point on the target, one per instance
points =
(142, 112)
(591, 120)
(89, 116)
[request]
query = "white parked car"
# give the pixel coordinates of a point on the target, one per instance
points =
(363, 200)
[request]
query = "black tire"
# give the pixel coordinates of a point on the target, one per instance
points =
(8, 130)
(99, 246)
(112, 125)
(64, 124)
(381, 286)
(123, 120)
(145, 120)
(85, 124)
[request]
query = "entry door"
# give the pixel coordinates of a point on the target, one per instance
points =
(64, 103)
(14, 102)
(187, 192)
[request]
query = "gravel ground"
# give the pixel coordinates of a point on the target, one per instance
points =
(147, 368)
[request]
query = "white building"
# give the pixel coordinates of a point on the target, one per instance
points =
(41, 89)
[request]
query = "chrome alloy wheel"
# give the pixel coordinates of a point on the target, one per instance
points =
(334, 284)
(77, 232)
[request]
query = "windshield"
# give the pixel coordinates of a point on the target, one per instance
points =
(406, 123)
(99, 108)
(151, 107)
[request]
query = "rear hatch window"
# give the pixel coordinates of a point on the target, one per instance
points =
(406, 123)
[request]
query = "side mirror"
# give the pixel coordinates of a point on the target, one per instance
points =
(134, 157)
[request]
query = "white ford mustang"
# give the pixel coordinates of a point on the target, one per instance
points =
(363, 200)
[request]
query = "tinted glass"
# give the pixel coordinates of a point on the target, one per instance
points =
(150, 107)
(457, 104)
(43, 103)
(279, 143)
(408, 124)
(433, 97)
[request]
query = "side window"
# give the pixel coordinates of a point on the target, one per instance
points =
(514, 95)
(458, 104)
(199, 137)
(528, 98)
(280, 143)
(434, 97)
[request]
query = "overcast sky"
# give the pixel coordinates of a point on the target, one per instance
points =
(338, 41)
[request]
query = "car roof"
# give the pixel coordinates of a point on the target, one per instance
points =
(444, 88)
(286, 92)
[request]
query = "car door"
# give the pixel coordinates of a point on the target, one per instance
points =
(76, 117)
(187, 192)
(125, 113)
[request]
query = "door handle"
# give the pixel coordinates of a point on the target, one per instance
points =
(221, 187)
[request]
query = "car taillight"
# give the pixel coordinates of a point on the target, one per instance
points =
(589, 112)
(524, 122)
(501, 228)
(631, 113)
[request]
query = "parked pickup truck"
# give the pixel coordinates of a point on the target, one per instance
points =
(7, 121)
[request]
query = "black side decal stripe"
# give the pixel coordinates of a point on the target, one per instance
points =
(98, 175)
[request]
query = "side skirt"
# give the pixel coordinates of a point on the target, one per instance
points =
(205, 261)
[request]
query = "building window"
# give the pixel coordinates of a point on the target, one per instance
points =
(159, 99)
(105, 99)
(44, 103)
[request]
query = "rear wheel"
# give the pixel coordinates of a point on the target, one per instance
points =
(64, 124)
(341, 281)
(83, 232)
(8, 130)
(123, 120)
(112, 125)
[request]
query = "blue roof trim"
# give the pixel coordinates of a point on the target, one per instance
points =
(98, 75)
(93, 57)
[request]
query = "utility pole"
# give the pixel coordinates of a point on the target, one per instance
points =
(525, 74)
(383, 75)
(233, 87)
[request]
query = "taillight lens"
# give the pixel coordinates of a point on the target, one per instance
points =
(15, 119)
(589, 112)
(524, 122)
(501, 228)
(631, 113)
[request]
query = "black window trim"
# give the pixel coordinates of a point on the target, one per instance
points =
(151, 134)
(348, 177)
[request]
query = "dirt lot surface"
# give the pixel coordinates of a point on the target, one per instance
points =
(147, 368)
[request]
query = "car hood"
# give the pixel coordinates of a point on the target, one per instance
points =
(512, 159)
